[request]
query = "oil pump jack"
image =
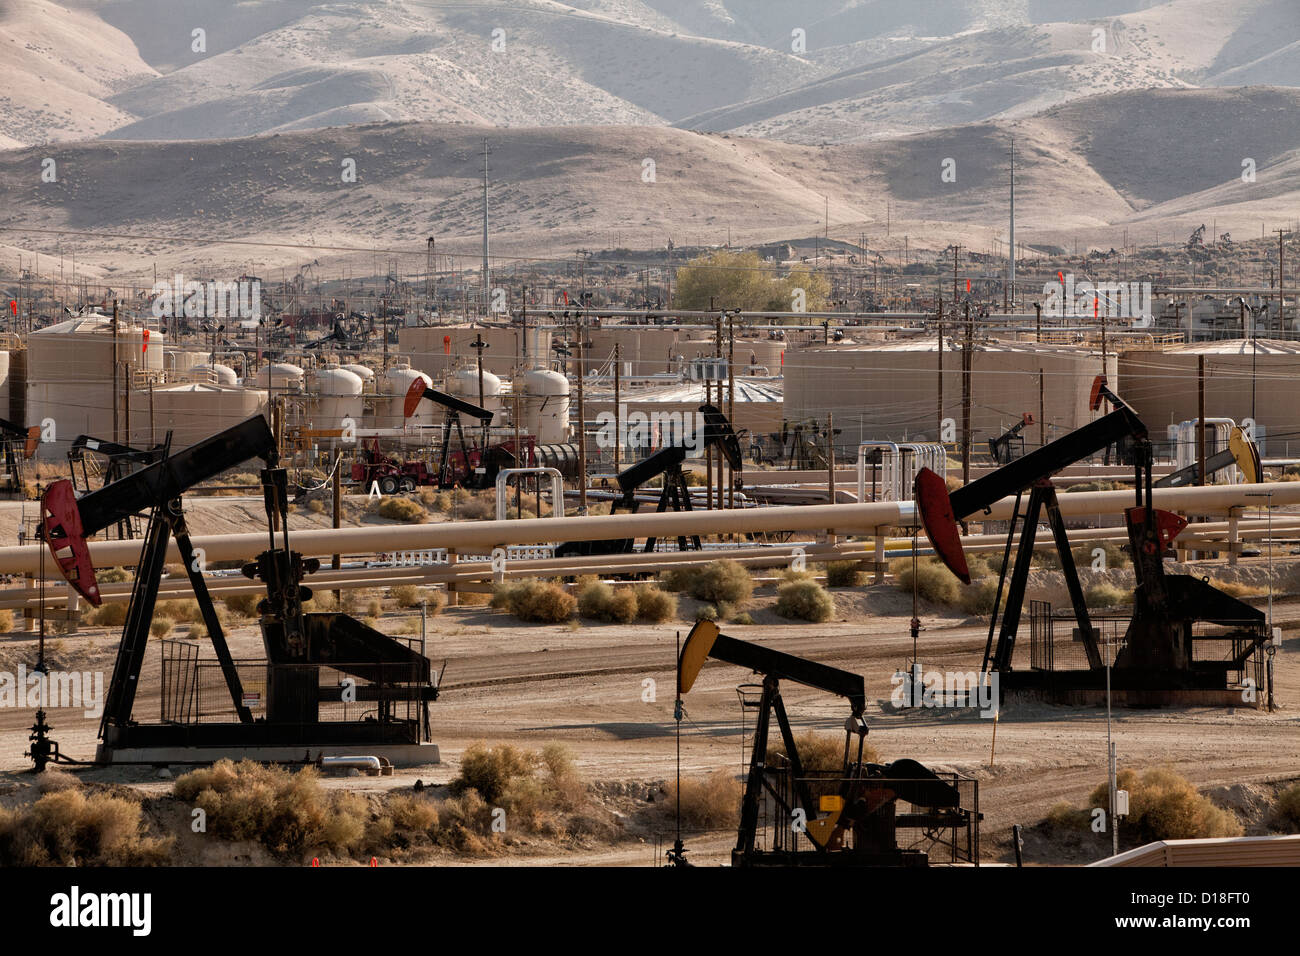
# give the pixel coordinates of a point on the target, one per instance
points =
(675, 495)
(845, 817)
(1158, 651)
(301, 648)
(469, 467)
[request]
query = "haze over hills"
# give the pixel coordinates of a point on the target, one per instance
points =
(1163, 161)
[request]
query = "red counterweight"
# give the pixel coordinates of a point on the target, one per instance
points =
(62, 531)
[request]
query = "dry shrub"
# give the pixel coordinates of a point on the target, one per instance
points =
(161, 626)
(724, 580)
(1287, 811)
(412, 812)
(401, 509)
(69, 828)
(654, 605)
(819, 751)
(374, 608)
(535, 601)
(288, 813)
(744, 619)
(712, 802)
(1066, 817)
(978, 598)
(706, 612)
(6, 620)
(804, 601)
(602, 602)
(475, 509)
(532, 788)
(934, 582)
(406, 595)
(112, 575)
(1099, 485)
(243, 605)
(180, 610)
(843, 574)
(1237, 589)
(1104, 594)
(109, 615)
(1165, 806)
(474, 598)
(315, 506)
(490, 770)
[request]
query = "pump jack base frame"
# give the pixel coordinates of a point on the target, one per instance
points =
(399, 755)
(1135, 688)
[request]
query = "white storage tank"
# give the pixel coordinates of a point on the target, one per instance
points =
(70, 374)
(279, 377)
(335, 396)
(364, 372)
(194, 411)
(545, 405)
(217, 374)
(463, 383)
(393, 385)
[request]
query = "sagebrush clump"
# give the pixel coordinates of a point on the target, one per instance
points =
(401, 509)
(69, 828)
(540, 602)
(843, 574)
(934, 582)
(804, 601)
(712, 802)
(1164, 805)
(716, 581)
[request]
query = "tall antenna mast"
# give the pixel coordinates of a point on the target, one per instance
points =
(1011, 259)
(487, 282)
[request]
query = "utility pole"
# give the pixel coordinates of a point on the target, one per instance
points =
(582, 419)
(478, 345)
(731, 392)
(618, 420)
(939, 408)
(1200, 419)
(966, 398)
(955, 251)
(116, 435)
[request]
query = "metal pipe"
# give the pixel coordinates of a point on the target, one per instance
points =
(483, 536)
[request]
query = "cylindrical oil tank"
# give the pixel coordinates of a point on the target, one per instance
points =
(192, 412)
(70, 374)
(363, 372)
(463, 383)
(546, 406)
(335, 396)
(562, 456)
(208, 374)
(393, 385)
(279, 377)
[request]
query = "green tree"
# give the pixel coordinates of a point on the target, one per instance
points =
(741, 280)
